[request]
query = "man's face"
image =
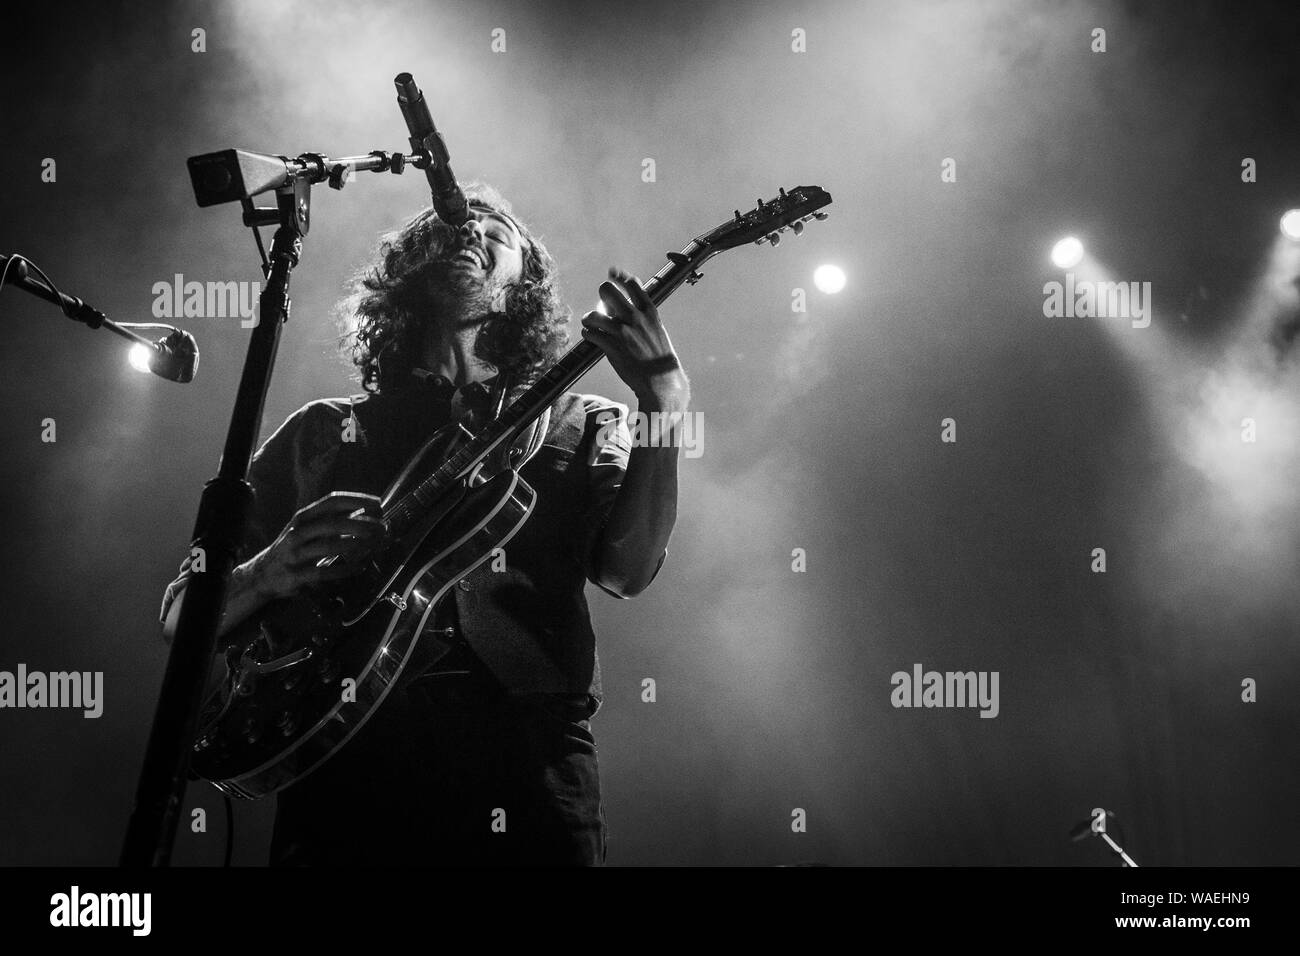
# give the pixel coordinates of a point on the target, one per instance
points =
(487, 254)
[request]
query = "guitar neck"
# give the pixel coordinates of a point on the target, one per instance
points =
(576, 363)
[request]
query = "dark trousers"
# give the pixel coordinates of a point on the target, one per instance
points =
(451, 771)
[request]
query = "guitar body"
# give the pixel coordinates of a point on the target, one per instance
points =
(280, 709)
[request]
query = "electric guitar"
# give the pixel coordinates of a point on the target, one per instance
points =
(278, 711)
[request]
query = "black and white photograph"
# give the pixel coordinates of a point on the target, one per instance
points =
(852, 435)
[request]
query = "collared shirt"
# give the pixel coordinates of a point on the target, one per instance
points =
(528, 622)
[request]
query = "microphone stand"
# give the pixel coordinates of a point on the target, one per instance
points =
(218, 528)
(223, 509)
(1124, 858)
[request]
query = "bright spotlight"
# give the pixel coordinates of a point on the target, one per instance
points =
(139, 357)
(1291, 224)
(1067, 253)
(830, 279)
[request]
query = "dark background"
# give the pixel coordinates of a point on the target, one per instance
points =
(1119, 690)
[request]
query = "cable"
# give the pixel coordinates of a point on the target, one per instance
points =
(67, 309)
(17, 257)
(12, 259)
(148, 325)
(49, 282)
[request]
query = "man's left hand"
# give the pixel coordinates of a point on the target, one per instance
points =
(634, 339)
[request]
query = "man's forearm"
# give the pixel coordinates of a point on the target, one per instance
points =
(645, 510)
(243, 598)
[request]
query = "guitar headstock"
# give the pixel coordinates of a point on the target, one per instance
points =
(766, 221)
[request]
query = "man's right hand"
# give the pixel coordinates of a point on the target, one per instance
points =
(344, 525)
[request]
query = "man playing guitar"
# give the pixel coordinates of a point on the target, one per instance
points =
(484, 756)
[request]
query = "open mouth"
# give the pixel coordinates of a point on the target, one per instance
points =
(470, 257)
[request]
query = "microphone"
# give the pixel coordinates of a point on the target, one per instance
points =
(448, 201)
(175, 357)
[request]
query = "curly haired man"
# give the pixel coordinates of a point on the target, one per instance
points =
(488, 757)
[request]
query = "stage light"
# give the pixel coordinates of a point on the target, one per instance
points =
(139, 357)
(1291, 224)
(1067, 253)
(830, 279)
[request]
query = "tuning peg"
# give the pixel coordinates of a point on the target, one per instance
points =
(738, 216)
(760, 240)
(782, 188)
(819, 216)
(774, 238)
(797, 227)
